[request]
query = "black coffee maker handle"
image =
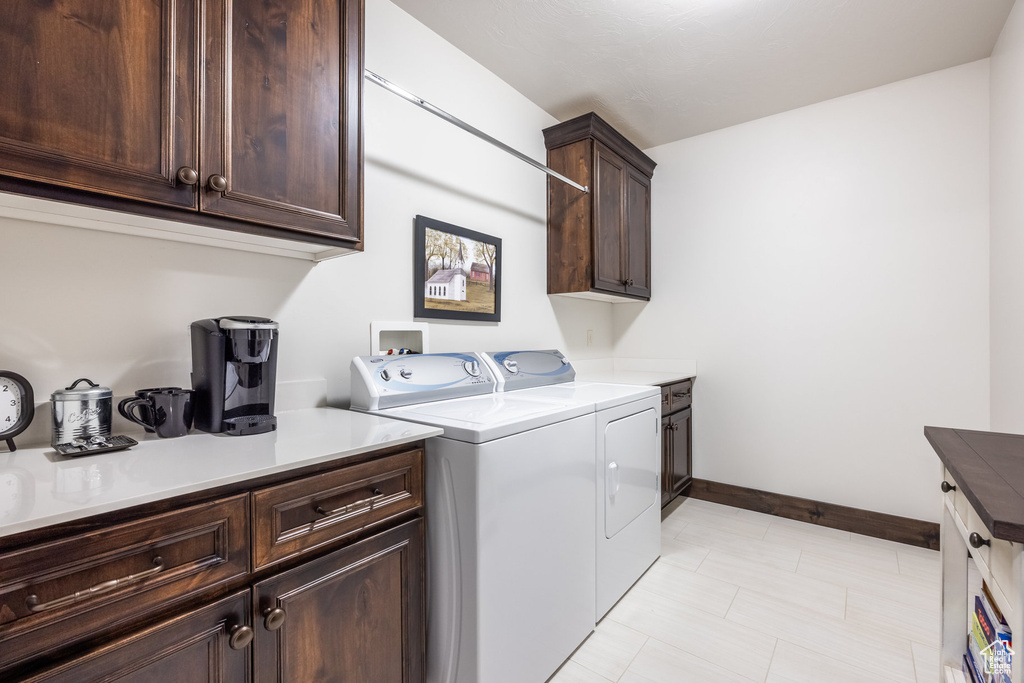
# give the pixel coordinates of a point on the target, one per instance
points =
(127, 406)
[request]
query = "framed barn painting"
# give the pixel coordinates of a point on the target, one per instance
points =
(457, 273)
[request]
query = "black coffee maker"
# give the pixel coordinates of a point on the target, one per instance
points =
(234, 370)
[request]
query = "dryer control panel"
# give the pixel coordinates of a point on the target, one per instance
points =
(524, 369)
(387, 381)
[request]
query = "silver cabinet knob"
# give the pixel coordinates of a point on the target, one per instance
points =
(187, 175)
(239, 637)
(273, 619)
(217, 183)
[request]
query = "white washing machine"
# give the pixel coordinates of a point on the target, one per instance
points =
(627, 463)
(510, 516)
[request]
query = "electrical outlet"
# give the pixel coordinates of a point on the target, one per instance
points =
(590, 337)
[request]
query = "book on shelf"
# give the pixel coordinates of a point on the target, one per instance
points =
(966, 672)
(971, 669)
(997, 618)
(974, 667)
(989, 641)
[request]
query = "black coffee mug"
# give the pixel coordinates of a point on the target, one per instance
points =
(144, 411)
(168, 412)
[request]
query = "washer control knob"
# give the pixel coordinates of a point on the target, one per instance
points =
(565, 361)
(405, 373)
(472, 368)
(385, 375)
(511, 365)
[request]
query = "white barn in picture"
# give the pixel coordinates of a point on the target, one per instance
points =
(449, 283)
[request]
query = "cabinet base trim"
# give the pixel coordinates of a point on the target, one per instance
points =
(877, 524)
(601, 296)
(44, 210)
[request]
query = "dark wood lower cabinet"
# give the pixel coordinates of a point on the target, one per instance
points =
(679, 427)
(676, 436)
(141, 597)
(192, 648)
(356, 614)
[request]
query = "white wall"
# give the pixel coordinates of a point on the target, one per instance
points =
(116, 308)
(1007, 248)
(828, 269)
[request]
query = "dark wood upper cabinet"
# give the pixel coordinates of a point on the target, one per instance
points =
(609, 247)
(599, 243)
(638, 234)
(101, 96)
(281, 119)
(244, 113)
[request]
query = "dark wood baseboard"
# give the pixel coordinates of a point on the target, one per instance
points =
(877, 524)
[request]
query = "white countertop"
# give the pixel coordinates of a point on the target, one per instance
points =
(38, 487)
(648, 371)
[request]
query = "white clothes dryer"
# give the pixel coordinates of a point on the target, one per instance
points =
(627, 444)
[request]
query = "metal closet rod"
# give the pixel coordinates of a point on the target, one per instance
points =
(420, 102)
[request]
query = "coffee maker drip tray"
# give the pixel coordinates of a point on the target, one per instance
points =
(250, 424)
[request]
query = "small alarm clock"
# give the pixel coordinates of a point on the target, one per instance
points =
(17, 406)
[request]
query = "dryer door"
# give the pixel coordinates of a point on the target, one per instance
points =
(631, 469)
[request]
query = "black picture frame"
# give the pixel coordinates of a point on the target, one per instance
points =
(436, 283)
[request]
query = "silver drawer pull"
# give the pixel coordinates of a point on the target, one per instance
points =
(352, 507)
(33, 604)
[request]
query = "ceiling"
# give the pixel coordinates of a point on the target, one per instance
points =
(663, 70)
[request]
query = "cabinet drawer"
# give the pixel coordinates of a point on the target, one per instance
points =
(960, 502)
(80, 587)
(679, 395)
(976, 526)
(301, 515)
(947, 477)
(666, 400)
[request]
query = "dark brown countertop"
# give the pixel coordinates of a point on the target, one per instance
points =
(989, 469)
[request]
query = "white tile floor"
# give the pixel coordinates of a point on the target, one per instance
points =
(741, 596)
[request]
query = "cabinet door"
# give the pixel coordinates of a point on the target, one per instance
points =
(609, 209)
(281, 139)
(666, 461)
(356, 614)
(203, 645)
(100, 96)
(638, 233)
(681, 474)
